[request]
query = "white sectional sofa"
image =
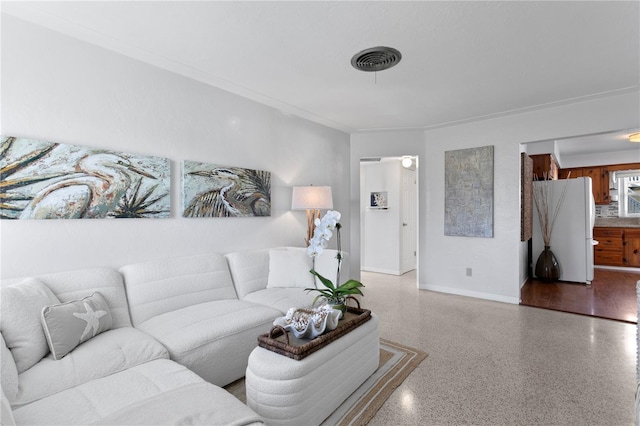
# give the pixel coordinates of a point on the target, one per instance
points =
(168, 334)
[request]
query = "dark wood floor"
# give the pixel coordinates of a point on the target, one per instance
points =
(612, 295)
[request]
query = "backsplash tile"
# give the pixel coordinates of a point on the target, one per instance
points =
(610, 210)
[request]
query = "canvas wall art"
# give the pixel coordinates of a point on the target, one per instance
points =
(378, 200)
(210, 190)
(468, 195)
(48, 180)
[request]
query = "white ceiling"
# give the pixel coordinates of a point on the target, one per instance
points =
(461, 61)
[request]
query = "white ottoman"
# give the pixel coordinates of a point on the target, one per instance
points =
(288, 392)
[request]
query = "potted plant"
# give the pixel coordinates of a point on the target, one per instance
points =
(335, 295)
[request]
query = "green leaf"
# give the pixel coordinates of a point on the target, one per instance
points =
(327, 283)
(351, 284)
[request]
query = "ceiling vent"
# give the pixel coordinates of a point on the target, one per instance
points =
(376, 59)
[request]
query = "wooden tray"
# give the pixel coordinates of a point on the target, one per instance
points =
(279, 341)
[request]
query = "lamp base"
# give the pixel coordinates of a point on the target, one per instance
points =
(312, 215)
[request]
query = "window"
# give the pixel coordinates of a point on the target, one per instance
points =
(629, 190)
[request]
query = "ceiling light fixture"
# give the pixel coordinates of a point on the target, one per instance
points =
(376, 59)
(634, 137)
(406, 161)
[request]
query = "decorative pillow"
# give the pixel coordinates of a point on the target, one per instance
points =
(289, 268)
(66, 325)
(20, 308)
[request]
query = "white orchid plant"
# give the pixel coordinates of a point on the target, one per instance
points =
(323, 232)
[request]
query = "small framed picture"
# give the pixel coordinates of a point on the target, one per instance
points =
(379, 200)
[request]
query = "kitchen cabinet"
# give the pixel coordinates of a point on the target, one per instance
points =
(599, 178)
(632, 248)
(609, 251)
(572, 173)
(600, 183)
(544, 165)
(617, 247)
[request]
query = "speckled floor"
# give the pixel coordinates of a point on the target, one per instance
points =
(494, 363)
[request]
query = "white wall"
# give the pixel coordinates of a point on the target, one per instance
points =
(59, 89)
(586, 160)
(496, 262)
(381, 228)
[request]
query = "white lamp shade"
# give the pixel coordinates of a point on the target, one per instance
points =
(311, 197)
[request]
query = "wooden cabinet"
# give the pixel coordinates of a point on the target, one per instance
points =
(599, 180)
(617, 247)
(609, 251)
(600, 183)
(544, 165)
(631, 248)
(599, 177)
(570, 173)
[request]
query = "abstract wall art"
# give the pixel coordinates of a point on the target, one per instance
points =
(468, 194)
(210, 190)
(48, 180)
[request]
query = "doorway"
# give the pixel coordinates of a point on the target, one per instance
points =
(389, 214)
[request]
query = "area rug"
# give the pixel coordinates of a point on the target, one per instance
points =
(396, 363)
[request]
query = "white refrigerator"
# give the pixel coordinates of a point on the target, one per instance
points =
(572, 236)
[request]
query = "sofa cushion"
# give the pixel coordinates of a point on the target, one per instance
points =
(212, 339)
(137, 393)
(161, 286)
(66, 325)
(6, 413)
(249, 269)
(76, 284)
(289, 268)
(282, 298)
(107, 353)
(20, 309)
(197, 403)
(8, 372)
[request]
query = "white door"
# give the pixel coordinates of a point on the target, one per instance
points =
(408, 232)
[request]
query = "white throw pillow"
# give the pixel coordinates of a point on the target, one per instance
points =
(289, 268)
(20, 321)
(66, 325)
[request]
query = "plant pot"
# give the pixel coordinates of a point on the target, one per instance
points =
(547, 267)
(339, 304)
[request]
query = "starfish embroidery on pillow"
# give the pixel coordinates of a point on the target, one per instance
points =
(92, 318)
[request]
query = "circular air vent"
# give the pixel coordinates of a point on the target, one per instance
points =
(376, 59)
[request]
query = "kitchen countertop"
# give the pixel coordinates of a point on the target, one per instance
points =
(617, 222)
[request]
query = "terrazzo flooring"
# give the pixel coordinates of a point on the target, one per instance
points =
(494, 363)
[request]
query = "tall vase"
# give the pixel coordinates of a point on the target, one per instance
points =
(547, 267)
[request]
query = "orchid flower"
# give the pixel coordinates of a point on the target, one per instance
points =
(320, 240)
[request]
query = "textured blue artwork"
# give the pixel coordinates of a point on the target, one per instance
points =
(48, 180)
(210, 190)
(468, 192)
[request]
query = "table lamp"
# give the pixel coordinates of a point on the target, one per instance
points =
(312, 199)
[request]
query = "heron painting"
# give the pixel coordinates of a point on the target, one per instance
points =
(47, 180)
(210, 190)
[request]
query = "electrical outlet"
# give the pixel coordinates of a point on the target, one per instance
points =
(469, 272)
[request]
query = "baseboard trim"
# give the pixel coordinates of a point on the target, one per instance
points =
(380, 270)
(618, 268)
(470, 293)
